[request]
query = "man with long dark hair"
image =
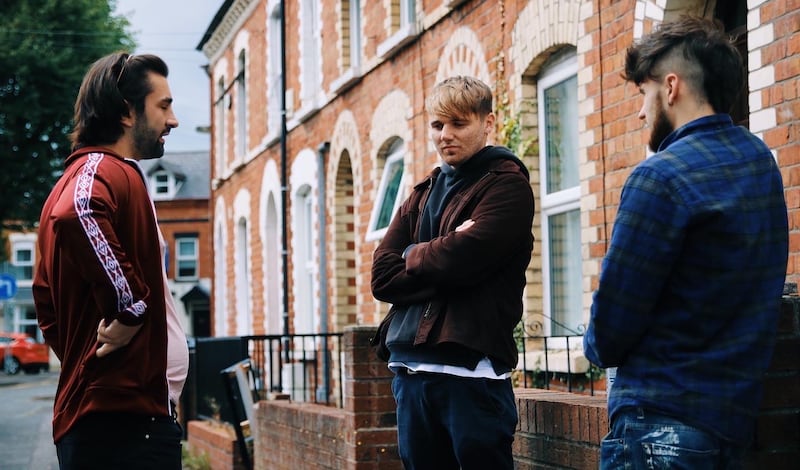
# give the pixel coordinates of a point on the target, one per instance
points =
(100, 289)
(688, 300)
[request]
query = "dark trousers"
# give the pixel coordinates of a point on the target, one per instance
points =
(447, 422)
(121, 441)
(641, 439)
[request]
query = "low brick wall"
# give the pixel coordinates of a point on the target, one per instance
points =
(556, 429)
(777, 438)
(217, 441)
(360, 436)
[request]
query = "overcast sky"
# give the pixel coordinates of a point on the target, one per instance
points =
(172, 29)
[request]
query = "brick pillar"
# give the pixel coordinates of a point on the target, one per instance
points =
(368, 401)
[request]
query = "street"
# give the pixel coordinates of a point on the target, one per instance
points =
(26, 405)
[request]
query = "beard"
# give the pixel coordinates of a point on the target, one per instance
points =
(146, 140)
(662, 127)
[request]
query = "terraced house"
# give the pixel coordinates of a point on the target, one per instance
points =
(319, 131)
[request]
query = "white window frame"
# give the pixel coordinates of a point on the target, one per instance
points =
(557, 203)
(355, 34)
(310, 69)
(352, 73)
(395, 157)
(222, 99)
(168, 185)
(274, 72)
(220, 273)
(242, 277)
(241, 105)
(305, 319)
(194, 257)
(405, 34)
(23, 265)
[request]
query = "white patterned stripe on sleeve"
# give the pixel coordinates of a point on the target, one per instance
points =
(82, 198)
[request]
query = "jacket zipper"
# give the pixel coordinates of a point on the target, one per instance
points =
(427, 313)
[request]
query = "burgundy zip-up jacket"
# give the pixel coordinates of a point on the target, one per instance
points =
(472, 281)
(101, 259)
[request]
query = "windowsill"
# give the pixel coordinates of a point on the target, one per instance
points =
(305, 113)
(451, 4)
(347, 80)
(397, 41)
(374, 235)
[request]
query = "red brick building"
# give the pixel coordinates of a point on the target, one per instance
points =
(179, 185)
(356, 75)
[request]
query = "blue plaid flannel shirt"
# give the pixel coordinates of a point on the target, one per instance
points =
(689, 293)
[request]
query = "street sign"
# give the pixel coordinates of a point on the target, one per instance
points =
(8, 286)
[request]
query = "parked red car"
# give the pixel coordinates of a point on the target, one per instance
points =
(21, 352)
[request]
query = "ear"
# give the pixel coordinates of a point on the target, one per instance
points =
(490, 118)
(129, 119)
(672, 84)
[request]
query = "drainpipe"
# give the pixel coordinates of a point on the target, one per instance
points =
(284, 189)
(322, 151)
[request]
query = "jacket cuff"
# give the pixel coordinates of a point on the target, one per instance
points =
(133, 315)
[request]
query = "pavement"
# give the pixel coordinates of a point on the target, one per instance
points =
(26, 403)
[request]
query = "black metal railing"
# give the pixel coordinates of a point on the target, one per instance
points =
(306, 367)
(554, 360)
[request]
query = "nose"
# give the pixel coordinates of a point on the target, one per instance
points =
(446, 133)
(172, 121)
(642, 114)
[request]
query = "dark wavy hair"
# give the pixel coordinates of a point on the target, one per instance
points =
(696, 49)
(112, 83)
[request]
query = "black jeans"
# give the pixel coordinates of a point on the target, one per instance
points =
(121, 441)
(446, 422)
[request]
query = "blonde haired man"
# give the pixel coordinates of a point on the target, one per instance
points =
(453, 264)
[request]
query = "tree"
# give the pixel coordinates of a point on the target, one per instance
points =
(46, 46)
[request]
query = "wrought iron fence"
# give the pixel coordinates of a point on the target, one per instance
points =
(308, 367)
(554, 361)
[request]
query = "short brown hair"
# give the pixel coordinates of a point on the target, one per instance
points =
(459, 96)
(700, 52)
(112, 84)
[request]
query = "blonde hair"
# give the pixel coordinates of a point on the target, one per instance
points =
(459, 96)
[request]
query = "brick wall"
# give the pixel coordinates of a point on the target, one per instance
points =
(187, 216)
(777, 439)
(215, 441)
(361, 436)
(556, 429)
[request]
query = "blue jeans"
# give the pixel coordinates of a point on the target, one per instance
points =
(121, 441)
(640, 439)
(446, 422)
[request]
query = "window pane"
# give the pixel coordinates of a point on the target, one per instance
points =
(186, 248)
(393, 178)
(187, 268)
(186, 257)
(24, 256)
(564, 238)
(561, 133)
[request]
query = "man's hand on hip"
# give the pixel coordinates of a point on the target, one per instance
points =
(114, 336)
